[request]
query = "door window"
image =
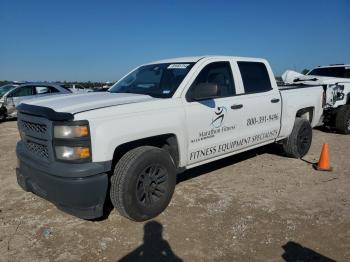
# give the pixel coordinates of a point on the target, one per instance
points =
(23, 91)
(347, 72)
(255, 77)
(218, 73)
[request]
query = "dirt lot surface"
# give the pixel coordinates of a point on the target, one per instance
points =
(256, 206)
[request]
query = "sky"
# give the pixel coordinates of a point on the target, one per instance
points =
(82, 40)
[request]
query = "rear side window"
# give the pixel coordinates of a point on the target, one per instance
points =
(40, 90)
(347, 73)
(66, 87)
(255, 77)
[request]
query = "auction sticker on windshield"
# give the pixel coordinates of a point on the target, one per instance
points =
(178, 66)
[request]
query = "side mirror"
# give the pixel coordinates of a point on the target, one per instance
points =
(205, 91)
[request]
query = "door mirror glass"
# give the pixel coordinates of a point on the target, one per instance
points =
(204, 91)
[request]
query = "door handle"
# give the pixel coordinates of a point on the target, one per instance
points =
(275, 100)
(238, 106)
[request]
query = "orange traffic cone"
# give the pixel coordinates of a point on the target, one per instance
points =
(324, 164)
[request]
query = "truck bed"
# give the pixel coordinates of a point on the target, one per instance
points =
(283, 87)
(300, 96)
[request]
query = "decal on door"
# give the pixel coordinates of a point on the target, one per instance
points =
(215, 126)
(219, 116)
(236, 144)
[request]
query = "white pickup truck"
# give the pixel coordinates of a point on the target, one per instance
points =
(160, 119)
(336, 81)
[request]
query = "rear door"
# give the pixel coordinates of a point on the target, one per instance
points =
(260, 103)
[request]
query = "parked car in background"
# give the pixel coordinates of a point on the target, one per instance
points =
(4, 90)
(12, 95)
(336, 81)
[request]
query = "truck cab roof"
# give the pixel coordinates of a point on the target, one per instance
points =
(194, 59)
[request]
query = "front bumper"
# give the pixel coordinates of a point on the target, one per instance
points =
(83, 197)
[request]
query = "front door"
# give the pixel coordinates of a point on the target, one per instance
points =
(211, 122)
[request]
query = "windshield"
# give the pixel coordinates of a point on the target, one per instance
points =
(4, 89)
(157, 80)
(341, 71)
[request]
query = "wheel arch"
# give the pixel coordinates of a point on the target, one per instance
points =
(169, 142)
(306, 113)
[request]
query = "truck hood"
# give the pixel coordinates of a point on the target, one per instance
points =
(75, 103)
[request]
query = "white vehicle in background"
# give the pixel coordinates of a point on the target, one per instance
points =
(336, 81)
(160, 119)
(12, 95)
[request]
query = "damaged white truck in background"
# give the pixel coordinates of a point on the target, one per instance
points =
(336, 81)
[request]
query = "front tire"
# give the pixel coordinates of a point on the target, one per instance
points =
(298, 143)
(3, 114)
(342, 120)
(2, 118)
(143, 183)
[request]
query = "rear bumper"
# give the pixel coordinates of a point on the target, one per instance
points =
(83, 197)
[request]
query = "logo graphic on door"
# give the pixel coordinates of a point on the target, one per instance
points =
(219, 116)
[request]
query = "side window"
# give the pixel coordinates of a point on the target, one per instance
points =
(40, 90)
(24, 91)
(218, 73)
(347, 72)
(255, 77)
(52, 89)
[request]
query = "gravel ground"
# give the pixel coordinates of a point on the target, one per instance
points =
(256, 206)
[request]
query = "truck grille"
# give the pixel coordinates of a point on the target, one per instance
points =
(33, 127)
(36, 136)
(37, 149)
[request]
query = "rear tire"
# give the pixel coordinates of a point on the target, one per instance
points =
(143, 183)
(342, 120)
(299, 141)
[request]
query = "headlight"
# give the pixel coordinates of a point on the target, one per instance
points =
(72, 153)
(71, 131)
